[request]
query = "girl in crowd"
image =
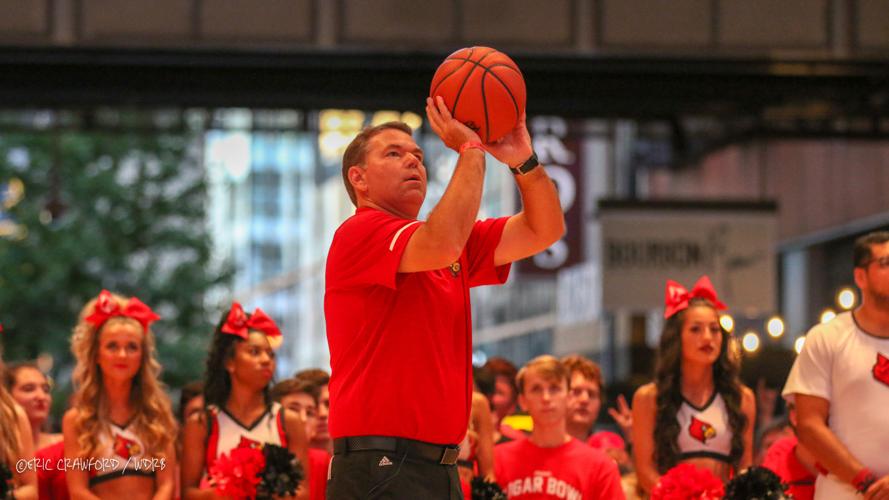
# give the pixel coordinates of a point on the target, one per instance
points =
(31, 389)
(119, 433)
(240, 411)
(696, 410)
(15, 445)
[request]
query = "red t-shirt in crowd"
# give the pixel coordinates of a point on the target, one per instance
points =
(781, 459)
(51, 483)
(319, 461)
(573, 471)
(400, 343)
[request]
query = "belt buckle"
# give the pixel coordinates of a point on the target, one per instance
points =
(449, 457)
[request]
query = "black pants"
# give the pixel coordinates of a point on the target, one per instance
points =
(365, 475)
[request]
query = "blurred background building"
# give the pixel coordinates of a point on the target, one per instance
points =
(745, 139)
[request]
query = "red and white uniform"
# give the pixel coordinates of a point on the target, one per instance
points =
(704, 432)
(849, 368)
(120, 453)
(400, 343)
(572, 471)
(227, 433)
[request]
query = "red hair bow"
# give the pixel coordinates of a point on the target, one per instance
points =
(677, 297)
(106, 308)
(238, 324)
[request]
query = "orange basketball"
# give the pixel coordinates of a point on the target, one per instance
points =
(483, 88)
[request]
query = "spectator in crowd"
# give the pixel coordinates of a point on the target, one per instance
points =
(840, 384)
(320, 379)
(777, 429)
(476, 456)
(696, 410)
(191, 400)
(550, 463)
(586, 396)
(504, 399)
(16, 444)
(300, 396)
(32, 390)
(792, 461)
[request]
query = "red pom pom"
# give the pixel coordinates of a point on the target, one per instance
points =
(688, 482)
(236, 474)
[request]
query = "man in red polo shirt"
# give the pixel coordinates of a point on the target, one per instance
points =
(397, 302)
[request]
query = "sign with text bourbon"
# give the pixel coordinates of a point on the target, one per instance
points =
(646, 243)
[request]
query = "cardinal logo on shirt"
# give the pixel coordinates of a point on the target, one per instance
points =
(455, 269)
(881, 369)
(125, 448)
(249, 443)
(700, 430)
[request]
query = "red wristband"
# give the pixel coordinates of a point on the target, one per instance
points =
(863, 480)
(469, 145)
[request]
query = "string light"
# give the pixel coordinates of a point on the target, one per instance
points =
(775, 327)
(750, 341)
(846, 298)
(727, 322)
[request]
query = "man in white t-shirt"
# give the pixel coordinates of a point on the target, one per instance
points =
(840, 382)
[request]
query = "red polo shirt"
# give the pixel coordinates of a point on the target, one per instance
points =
(400, 343)
(781, 459)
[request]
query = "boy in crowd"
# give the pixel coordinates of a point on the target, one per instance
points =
(319, 379)
(550, 463)
(301, 397)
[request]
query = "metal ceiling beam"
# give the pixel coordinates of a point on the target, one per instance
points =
(588, 86)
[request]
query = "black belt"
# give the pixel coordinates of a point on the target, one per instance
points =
(435, 453)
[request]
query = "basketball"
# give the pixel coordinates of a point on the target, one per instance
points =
(483, 88)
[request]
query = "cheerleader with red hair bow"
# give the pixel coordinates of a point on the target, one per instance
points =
(119, 433)
(240, 416)
(696, 411)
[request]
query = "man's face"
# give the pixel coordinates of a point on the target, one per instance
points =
(303, 404)
(504, 397)
(873, 279)
(584, 401)
(393, 176)
(545, 399)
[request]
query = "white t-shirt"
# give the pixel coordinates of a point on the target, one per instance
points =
(849, 368)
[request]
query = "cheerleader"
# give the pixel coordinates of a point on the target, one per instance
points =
(696, 410)
(119, 433)
(240, 412)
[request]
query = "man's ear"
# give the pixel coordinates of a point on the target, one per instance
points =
(859, 274)
(357, 179)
